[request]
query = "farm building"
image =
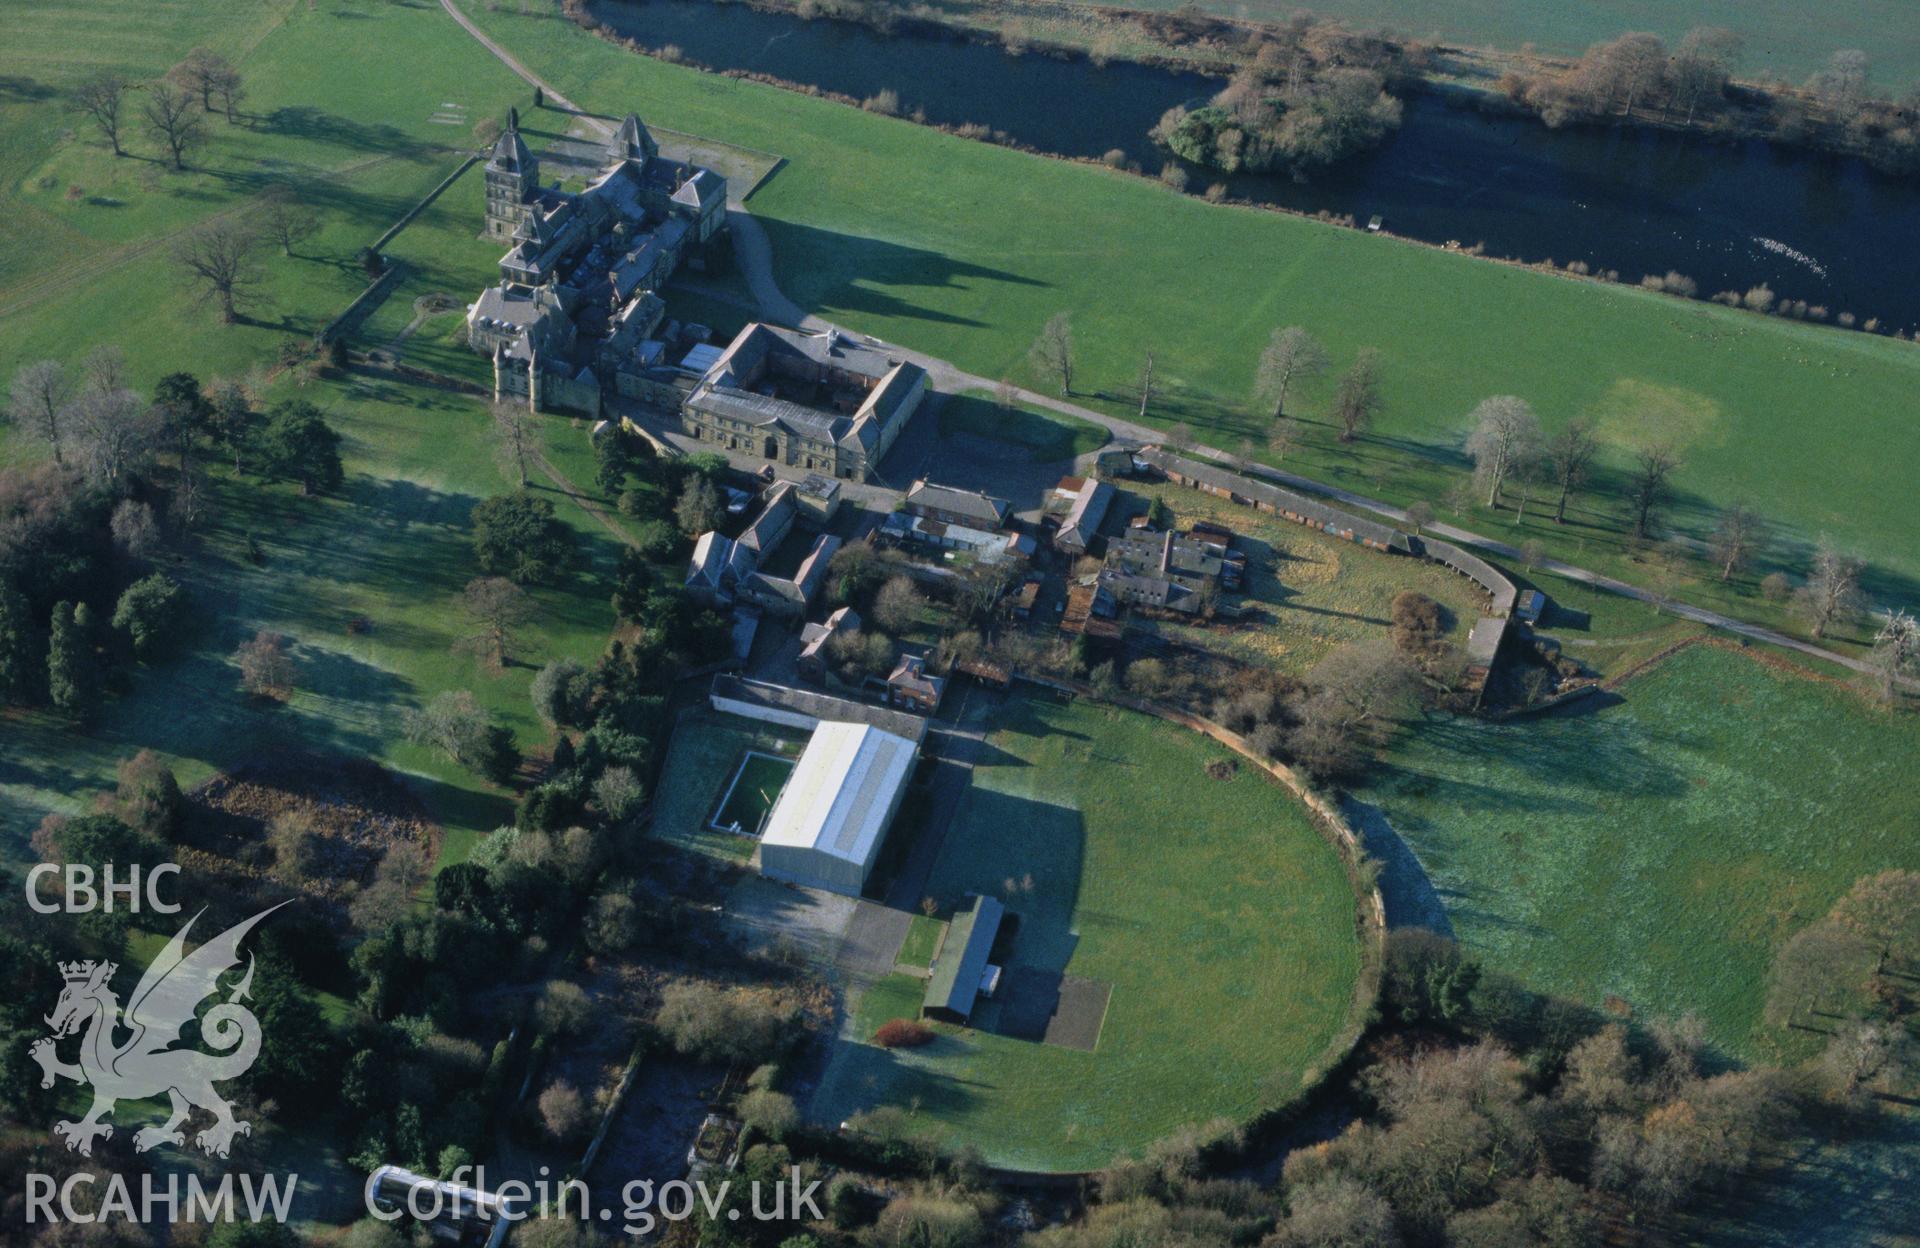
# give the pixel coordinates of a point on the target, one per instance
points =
(826, 829)
(1082, 524)
(1273, 500)
(961, 974)
(952, 505)
(909, 685)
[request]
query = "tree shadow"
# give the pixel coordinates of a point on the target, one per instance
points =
(841, 275)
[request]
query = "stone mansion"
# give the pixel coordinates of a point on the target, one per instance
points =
(574, 314)
(576, 318)
(828, 402)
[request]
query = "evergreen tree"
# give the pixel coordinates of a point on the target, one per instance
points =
(18, 651)
(298, 444)
(73, 678)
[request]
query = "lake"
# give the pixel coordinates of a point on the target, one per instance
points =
(1825, 229)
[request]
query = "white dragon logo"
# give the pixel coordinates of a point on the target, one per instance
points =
(144, 1066)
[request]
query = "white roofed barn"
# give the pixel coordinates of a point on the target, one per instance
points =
(829, 823)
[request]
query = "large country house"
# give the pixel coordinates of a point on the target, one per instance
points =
(573, 316)
(826, 402)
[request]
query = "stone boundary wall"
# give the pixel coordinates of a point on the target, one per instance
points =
(426, 202)
(363, 303)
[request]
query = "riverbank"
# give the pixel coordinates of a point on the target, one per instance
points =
(1642, 207)
(964, 250)
(1190, 41)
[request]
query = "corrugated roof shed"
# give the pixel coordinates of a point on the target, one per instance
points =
(841, 792)
(957, 972)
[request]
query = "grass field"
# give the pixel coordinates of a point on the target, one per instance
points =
(1306, 593)
(361, 107)
(922, 942)
(1780, 40)
(706, 751)
(391, 547)
(755, 788)
(1046, 437)
(1660, 849)
(968, 262)
(1218, 915)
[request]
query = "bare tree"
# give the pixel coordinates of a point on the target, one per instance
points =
(103, 98)
(1145, 385)
(1291, 355)
(1569, 455)
(1832, 592)
(1418, 516)
(1843, 83)
(897, 606)
(1702, 66)
(285, 220)
(1738, 537)
(38, 402)
(219, 256)
(1052, 352)
(514, 439)
(497, 608)
(1505, 435)
(199, 73)
(1367, 682)
(265, 668)
(1006, 396)
(1642, 64)
(1284, 437)
(1358, 399)
(106, 368)
(115, 431)
(169, 113)
(1647, 487)
(453, 722)
(229, 88)
(1896, 651)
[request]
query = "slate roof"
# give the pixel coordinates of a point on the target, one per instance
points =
(982, 508)
(1333, 519)
(1089, 508)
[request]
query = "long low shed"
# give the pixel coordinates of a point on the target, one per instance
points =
(806, 709)
(960, 972)
(1500, 590)
(1274, 500)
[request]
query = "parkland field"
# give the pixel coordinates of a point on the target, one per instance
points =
(365, 584)
(1199, 931)
(973, 247)
(1660, 850)
(1780, 40)
(966, 256)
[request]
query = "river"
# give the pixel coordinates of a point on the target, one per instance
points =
(1824, 229)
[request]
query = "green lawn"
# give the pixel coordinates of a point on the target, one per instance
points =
(361, 106)
(973, 247)
(922, 942)
(1221, 919)
(1779, 38)
(1659, 850)
(756, 786)
(1046, 437)
(705, 753)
